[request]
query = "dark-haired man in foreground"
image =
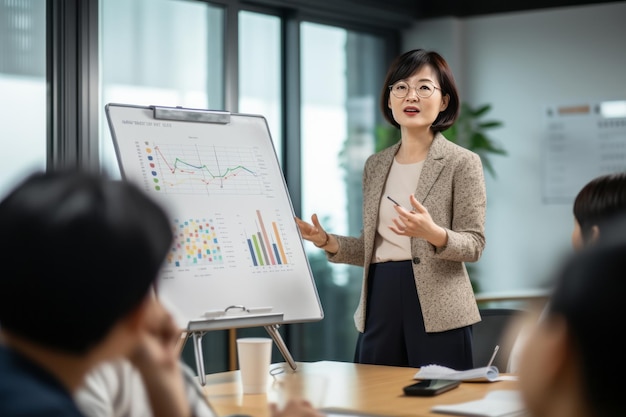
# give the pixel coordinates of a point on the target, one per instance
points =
(80, 255)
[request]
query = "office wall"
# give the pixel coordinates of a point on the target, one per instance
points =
(520, 62)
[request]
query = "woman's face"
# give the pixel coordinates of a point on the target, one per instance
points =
(413, 111)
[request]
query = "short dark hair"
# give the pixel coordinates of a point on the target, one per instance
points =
(79, 252)
(589, 295)
(404, 66)
(601, 199)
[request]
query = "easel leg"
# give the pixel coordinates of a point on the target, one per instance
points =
(197, 348)
(272, 329)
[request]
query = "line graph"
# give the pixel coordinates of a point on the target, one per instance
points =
(201, 169)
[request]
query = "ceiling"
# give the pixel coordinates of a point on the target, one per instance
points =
(466, 8)
(398, 14)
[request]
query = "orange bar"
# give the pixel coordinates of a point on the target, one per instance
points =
(265, 239)
(279, 243)
(574, 109)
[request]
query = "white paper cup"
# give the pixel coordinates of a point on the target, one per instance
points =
(255, 356)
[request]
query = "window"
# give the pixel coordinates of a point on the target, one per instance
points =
(316, 85)
(159, 52)
(23, 86)
(259, 70)
(166, 53)
(147, 58)
(341, 76)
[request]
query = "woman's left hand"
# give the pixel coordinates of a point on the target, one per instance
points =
(418, 223)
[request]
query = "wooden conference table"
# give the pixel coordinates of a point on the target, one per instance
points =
(370, 389)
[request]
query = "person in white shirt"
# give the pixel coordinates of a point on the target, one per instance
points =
(572, 364)
(132, 387)
(86, 298)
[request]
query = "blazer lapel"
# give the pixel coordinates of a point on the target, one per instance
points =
(433, 165)
(374, 190)
(383, 167)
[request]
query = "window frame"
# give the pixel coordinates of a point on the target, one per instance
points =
(72, 76)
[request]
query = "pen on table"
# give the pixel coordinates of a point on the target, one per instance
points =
(493, 356)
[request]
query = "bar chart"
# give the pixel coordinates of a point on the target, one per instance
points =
(265, 243)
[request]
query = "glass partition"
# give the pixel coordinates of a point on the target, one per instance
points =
(23, 87)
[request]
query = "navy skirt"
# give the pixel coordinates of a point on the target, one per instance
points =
(394, 326)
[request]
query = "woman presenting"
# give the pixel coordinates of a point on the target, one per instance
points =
(424, 204)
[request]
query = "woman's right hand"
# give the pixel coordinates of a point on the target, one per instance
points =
(313, 232)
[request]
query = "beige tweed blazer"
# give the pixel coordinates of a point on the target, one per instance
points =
(452, 188)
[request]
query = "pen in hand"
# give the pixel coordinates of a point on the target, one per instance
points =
(393, 201)
(493, 356)
(396, 203)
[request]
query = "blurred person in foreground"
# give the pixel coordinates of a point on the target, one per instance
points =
(571, 365)
(598, 202)
(81, 254)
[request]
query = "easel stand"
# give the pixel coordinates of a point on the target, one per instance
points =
(148, 141)
(197, 330)
(280, 343)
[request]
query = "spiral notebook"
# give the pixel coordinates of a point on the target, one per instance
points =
(484, 374)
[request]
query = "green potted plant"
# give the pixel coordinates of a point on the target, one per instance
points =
(469, 132)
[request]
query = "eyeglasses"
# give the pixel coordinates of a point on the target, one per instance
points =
(424, 89)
